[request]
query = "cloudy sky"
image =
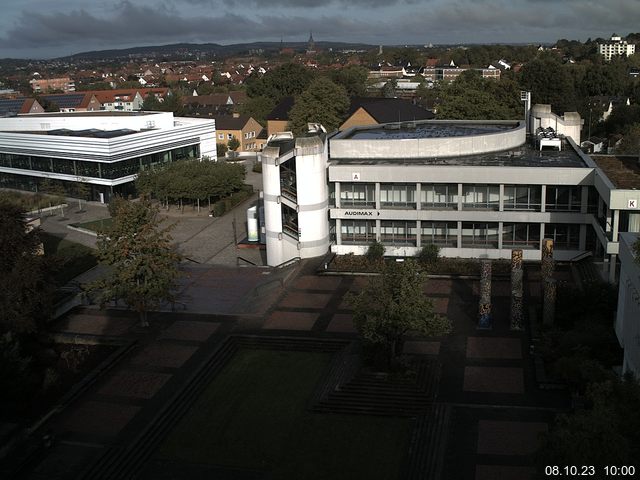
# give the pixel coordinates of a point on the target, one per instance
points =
(46, 28)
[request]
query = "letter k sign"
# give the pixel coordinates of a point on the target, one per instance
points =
(632, 203)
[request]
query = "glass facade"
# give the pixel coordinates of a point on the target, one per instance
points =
(522, 197)
(443, 234)
(564, 198)
(565, 236)
(479, 235)
(398, 232)
(398, 195)
(484, 197)
(443, 195)
(357, 232)
(358, 195)
(521, 235)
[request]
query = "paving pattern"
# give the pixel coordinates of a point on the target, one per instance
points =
(488, 414)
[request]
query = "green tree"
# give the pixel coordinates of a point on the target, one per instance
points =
(258, 108)
(393, 304)
(233, 144)
(630, 143)
(353, 78)
(286, 80)
(221, 149)
(375, 252)
(323, 102)
(550, 83)
(389, 88)
(25, 282)
(143, 262)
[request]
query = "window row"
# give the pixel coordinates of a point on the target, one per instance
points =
(82, 168)
(445, 234)
(446, 196)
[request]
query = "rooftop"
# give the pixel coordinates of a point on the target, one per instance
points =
(624, 172)
(524, 156)
(103, 113)
(410, 130)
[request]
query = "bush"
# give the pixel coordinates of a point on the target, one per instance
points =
(223, 206)
(429, 254)
(221, 149)
(375, 252)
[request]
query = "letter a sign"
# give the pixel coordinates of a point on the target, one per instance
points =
(632, 203)
(355, 176)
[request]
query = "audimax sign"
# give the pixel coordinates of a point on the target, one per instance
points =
(360, 213)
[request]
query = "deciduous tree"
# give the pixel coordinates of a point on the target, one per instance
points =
(323, 102)
(143, 262)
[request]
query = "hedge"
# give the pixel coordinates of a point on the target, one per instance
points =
(221, 207)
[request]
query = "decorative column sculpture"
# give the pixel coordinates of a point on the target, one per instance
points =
(484, 311)
(548, 283)
(516, 290)
(549, 307)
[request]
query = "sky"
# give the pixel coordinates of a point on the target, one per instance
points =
(46, 28)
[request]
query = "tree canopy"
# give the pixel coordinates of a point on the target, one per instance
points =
(25, 284)
(283, 81)
(550, 82)
(144, 263)
(353, 78)
(393, 304)
(323, 102)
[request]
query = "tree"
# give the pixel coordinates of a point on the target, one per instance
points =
(323, 102)
(143, 262)
(233, 144)
(375, 252)
(353, 78)
(550, 83)
(630, 143)
(393, 304)
(258, 108)
(221, 149)
(25, 282)
(286, 80)
(389, 88)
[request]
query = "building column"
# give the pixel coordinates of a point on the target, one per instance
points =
(543, 200)
(337, 194)
(500, 227)
(418, 196)
(501, 202)
(616, 224)
(338, 231)
(460, 197)
(418, 233)
(378, 237)
(584, 199)
(612, 269)
(378, 198)
(542, 235)
(459, 240)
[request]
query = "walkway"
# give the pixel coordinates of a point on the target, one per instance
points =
(495, 412)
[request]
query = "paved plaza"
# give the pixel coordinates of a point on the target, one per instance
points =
(486, 379)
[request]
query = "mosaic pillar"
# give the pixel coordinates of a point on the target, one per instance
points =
(484, 310)
(547, 259)
(516, 290)
(549, 306)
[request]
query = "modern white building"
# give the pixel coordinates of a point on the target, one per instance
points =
(615, 47)
(106, 150)
(477, 189)
(628, 315)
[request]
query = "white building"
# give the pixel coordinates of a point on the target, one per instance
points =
(477, 189)
(628, 316)
(103, 149)
(616, 46)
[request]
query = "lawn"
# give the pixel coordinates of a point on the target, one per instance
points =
(95, 225)
(71, 258)
(254, 415)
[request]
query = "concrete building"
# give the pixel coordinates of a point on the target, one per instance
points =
(44, 85)
(477, 189)
(106, 150)
(627, 324)
(615, 47)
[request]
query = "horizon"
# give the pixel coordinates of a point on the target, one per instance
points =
(70, 27)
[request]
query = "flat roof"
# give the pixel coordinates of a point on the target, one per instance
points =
(524, 156)
(89, 132)
(624, 172)
(104, 113)
(411, 130)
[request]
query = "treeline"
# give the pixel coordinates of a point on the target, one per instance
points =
(191, 180)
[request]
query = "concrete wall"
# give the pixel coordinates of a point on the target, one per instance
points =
(627, 324)
(344, 147)
(80, 121)
(568, 125)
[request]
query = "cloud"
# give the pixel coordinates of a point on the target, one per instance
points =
(269, 4)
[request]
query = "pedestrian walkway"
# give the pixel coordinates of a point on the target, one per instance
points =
(488, 409)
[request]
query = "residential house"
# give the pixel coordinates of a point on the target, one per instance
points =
(43, 85)
(13, 106)
(74, 102)
(242, 127)
(121, 100)
(278, 119)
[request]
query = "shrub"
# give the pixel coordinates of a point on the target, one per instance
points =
(375, 252)
(429, 254)
(223, 206)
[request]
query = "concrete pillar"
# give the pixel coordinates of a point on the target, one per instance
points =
(418, 196)
(378, 230)
(377, 195)
(516, 290)
(337, 194)
(616, 225)
(500, 227)
(543, 198)
(460, 190)
(484, 307)
(418, 234)
(501, 199)
(612, 269)
(338, 231)
(547, 259)
(459, 239)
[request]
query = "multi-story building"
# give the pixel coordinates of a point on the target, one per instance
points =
(615, 47)
(105, 150)
(448, 73)
(44, 85)
(241, 127)
(477, 189)
(627, 324)
(73, 102)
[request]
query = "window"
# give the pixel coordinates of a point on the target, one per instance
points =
(398, 232)
(521, 235)
(438, 195)
(563, 198)
(479, 235)
(229, 136)
(564, 236)
(221, 136)
(359, 195)
(522, 197)
(444, 234)
(358, 232)
(485, 197)
(397, 195)
(290, 222)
